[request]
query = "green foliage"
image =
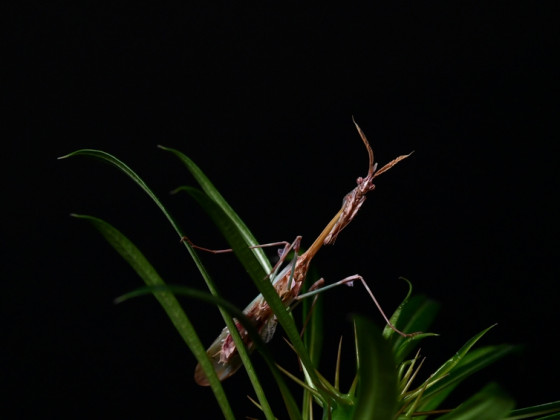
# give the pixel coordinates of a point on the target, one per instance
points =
(387, 382)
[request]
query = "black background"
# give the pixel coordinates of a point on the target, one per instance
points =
(261, 98)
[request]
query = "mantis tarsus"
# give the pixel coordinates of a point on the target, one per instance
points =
(289, 280)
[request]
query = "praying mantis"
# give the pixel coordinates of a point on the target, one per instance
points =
(288, 281)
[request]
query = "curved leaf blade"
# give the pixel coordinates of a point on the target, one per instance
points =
(416, 314)
(263, 284)
(260, 345)
(215, 195)
(458, 357)
(131, 254)
(490, 403)
(230, 231)
(473, 362)
(546, 410)
(376, 396)
(106, 157)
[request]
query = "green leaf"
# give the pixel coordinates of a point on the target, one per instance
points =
(463, 364)
(211, 191)
(263, 284)
(312, 321)
(145, 270)
(490, 403)
(241, 240)
(416, 314)
(551, 417)
(454, 361)
(312, 313)
(376, 396)
(106, 157)
(473, 362)
(233, 232)
(234, 312)
(537, 410)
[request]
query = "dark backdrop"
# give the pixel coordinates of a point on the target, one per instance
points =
(261, 98)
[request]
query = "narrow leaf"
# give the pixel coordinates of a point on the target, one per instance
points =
(376, 396)
(106, 157)
(453, 361)
(260, 345)
(263, 284)
(537, 410)
(214, 194)
(231, 231)
(473, 362)
(145, 270)
(490, 403)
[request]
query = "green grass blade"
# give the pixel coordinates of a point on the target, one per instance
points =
(551, 417)
(416, 314)
(472, 362)
(376, 395)
(263, 284)
(537, 410)
(260, 345)
(312, 313)
(106, 157)
(490, 403)
(145, 270)
(286, 320)
(398, 314)
(231, 232)
(454, 361)
(236, 235)
(215, 195)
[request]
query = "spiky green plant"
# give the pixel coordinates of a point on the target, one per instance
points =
(387, 382)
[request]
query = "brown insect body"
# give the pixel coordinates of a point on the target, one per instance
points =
(223, 352)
